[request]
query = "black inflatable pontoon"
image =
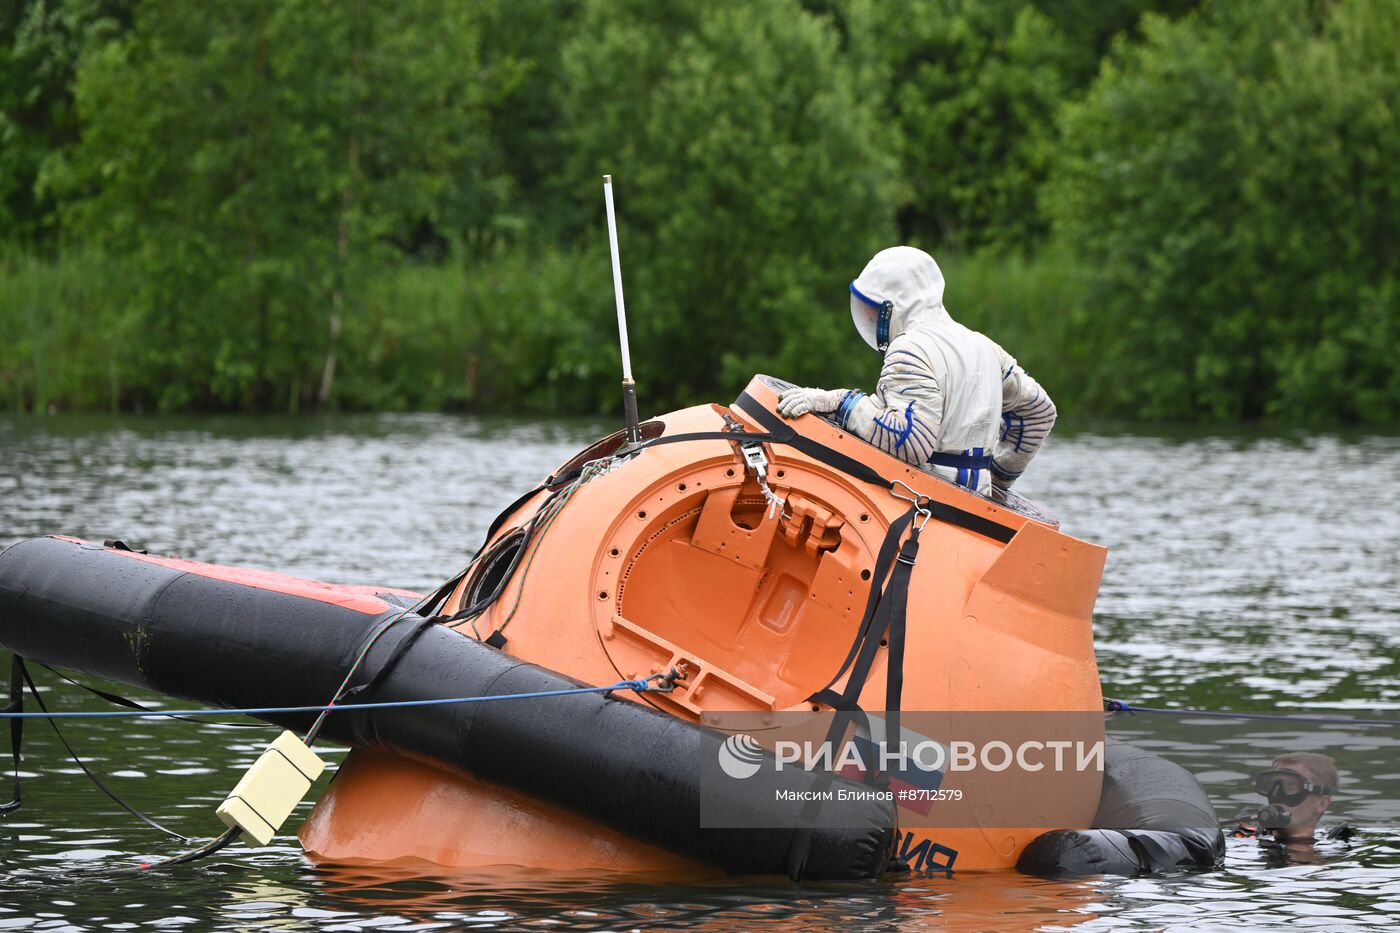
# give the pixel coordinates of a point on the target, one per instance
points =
(239, 638)
(1153, 817)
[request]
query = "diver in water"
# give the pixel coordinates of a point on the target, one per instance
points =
(1299, 788)
(949, 399)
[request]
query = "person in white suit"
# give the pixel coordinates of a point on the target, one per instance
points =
(949, 399)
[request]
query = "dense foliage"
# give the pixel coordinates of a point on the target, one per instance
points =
(1165, 208)
(1239, 188)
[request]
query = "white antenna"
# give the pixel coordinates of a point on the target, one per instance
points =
(629, 388)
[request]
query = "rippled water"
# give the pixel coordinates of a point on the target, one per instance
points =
(1246, 571)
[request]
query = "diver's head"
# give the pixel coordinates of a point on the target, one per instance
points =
(1304, 782)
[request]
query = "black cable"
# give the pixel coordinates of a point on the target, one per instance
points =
(16, 705)
(117, 699)
(88, 771)
(209, 848)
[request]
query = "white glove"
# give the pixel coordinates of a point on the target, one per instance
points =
(797, 402)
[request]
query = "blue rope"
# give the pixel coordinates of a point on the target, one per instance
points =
(1118, 706)
(637, 686)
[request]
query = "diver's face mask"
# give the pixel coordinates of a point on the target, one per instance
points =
(1286, 786)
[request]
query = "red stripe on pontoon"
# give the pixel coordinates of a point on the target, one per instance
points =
(359, 598)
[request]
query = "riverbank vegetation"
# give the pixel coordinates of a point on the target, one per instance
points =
(1164, 208)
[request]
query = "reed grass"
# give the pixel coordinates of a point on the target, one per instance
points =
(518, 333)
(63, 335)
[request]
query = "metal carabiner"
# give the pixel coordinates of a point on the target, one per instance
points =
(917, 501)
(912, 498)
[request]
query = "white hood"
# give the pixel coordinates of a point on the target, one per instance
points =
(906, 277)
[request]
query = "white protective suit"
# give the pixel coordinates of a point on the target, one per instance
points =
(949, 399)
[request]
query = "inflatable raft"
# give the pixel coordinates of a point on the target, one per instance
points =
(764, 568)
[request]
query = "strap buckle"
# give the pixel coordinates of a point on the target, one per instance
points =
(757, 460)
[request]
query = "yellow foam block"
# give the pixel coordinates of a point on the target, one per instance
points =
(271, 788)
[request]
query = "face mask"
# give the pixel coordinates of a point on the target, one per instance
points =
(1285, 786)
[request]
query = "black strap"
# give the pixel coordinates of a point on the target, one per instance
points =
(16, 705)
(888, 623)
(779, 432)
(952, 515)
(784, 433)
(433, 603)
(896, 599)
(406, 640)
(883, 562)
(961, 461)
(739, 437)
(509, 510)
(885, 617)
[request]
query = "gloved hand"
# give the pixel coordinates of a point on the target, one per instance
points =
(797, 402)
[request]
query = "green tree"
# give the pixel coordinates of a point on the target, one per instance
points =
(522, 42)
(1234, 180)
(752, 186)
(256, 164)
(1091, 26)
(41, 43)
(969, 90)
(1322, 241)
